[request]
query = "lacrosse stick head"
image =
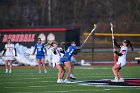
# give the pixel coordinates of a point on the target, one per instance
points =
(111, 27)
(95, 25)
(111, 24)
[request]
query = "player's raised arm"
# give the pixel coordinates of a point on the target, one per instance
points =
(116, 44)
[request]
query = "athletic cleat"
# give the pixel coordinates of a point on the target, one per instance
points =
(121, 79)
(6, 71)
(115, 80)
(60, 81)
(72, 77)
(39, 71)
(45, 71)
(67, 81)
(10, 71)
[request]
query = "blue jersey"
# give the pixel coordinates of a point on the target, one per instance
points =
(68, 54)
(40, 49)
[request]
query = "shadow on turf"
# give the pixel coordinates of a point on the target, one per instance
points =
(130, 82)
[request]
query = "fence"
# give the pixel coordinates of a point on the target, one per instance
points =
(99, 46)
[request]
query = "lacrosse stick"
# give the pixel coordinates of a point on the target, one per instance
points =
(88, 36)
(113, 42)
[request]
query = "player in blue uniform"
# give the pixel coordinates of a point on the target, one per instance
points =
(66, 59)
(40, 54)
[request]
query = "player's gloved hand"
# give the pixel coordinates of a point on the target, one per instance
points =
(62, 51)
(2, 55)
(15, 57)
(54, 52)
(3, 58)
(115, 51)
(78, 48)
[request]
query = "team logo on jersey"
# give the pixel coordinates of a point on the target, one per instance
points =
(51, 38)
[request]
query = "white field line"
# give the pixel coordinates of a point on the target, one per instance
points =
(91, 90)
(70, 91)
(54, 91)
(86, 75)
(118, 86)
(76, 81)
(22, 92)
(24, 82)
(105, 85)
(83, 90)
(36, 86)
(93, 68)
(8, 87)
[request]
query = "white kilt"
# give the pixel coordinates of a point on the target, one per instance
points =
(121, 62)
(56, 60)
(9, 58)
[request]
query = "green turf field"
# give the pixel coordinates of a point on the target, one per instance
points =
(27, 80)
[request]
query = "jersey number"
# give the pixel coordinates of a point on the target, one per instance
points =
(10, 49)
(71, 52)
(39, 49)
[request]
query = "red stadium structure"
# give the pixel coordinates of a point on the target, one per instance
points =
(28, 36)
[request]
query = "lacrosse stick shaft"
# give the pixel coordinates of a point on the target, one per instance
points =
(88, 36)
(113, 42)
(114, 55)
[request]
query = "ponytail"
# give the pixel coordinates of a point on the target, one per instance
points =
(131, 46)
(129, 43)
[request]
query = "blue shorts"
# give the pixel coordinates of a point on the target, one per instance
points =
(64, 59)
(40, 56)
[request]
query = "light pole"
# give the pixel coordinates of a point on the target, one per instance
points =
(49, 12)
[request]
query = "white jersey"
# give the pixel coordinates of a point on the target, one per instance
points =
(49, 53)
(55, 57)
(9, 54)
(122, 59)
(9, 50)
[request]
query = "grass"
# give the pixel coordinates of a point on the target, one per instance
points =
(27, 80)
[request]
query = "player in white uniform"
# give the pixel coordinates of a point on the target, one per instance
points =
(121, 59)
(48, 47)
(9, 54)
(55, 55)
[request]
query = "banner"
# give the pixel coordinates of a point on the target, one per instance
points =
(25, 38)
